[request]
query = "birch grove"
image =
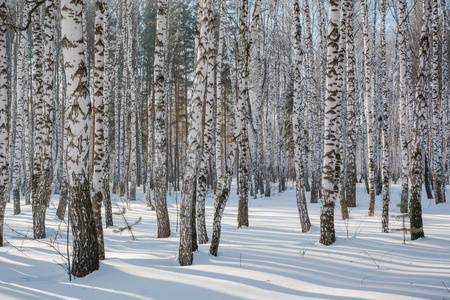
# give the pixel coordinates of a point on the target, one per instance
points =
(180, 105)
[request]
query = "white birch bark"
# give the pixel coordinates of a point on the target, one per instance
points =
(132, 91)
(117, 124)
(220, 111)
(331, 146)
(150, 151)
(39, 203)
(85, 246)
(42, 176)
(385, 124)
(124, 108)
(221, 197)
(12, 113)
(339, 163)
(100, 152)
(439, 185)
(415, 206)
(206, 155)
(404, 99)
(351, 109)
(242, 113)
(311, 99)
(445, 94)
(22, 96)
(320, 99)
(368, 108)
(4, 159)
(194, 138)
(160, 122)
(297, 124)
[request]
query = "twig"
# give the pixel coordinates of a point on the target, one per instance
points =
(33, 9)
(379, 260)
(445, 286)
(128, 227)
(25, 236)
(15, 247)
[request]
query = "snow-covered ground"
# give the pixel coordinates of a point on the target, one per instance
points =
(271, 259)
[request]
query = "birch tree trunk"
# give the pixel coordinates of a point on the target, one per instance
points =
(107, 76)
(437, 121)
(351, 109)
(150, 148)
(225, 176)
(100, 154)
(242, 114)
(22, 99)
(133, 100)
(329, 194)
(62, 205)
(220, 115)
(11, 117)
(4, 159)
(123, 184)
(385, 124)
(39, 204)
(117, 127)
(206, 154)
(297, 124)
(369, 108)
(85, 245)
(445, 95)
(312, 101)
(403, 103)
(194, 136)
(415, 205)
(339, 163)
(162, 214)
(43, 92)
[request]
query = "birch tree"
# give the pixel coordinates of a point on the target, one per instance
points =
(297, 124)
(351, 109)
(124, 106)
(85, 245)
(415, 205)
(385, 124)
(445, 77)
(133, 100)
(43, 93)
(242, 113)
(223, 176)
(403, 102)
(311, 99)
(339, 163)
(368, 107)
(100, 154)
(194, 136)
(22, 99)
(160, 123)
(117, 127)
(4, 160)
(206, 153)
(108, 66)
(331, 147)
(39, 203)
(439, 186)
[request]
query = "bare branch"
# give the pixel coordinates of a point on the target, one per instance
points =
(30, 13)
